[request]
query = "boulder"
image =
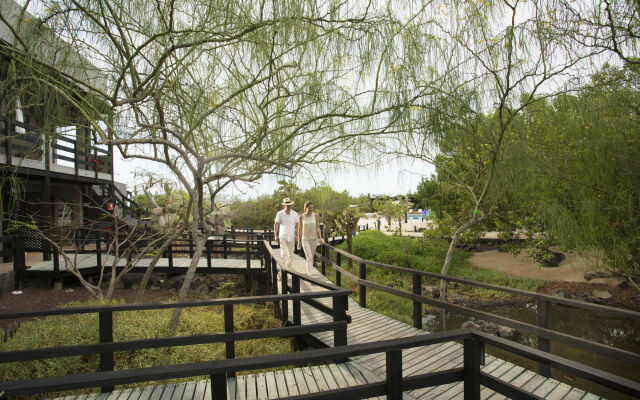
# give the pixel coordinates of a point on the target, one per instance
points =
(506, 332)
(470, 325)
(561, 292)
(601, 295)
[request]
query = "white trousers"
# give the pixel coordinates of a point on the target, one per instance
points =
(286, 252)
(309, 247)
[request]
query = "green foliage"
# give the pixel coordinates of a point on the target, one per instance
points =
(83, 329)
(575, 171)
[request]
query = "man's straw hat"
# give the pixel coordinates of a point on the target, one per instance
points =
(287, 202)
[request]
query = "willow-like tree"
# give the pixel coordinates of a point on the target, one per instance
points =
(486, 62)
(218, 92)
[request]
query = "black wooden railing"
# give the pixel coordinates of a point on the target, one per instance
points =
(393, 386)
(333, 257)
(107, 347)
(32, 144)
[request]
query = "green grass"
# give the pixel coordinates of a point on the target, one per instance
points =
(83, 329)
(422, 255)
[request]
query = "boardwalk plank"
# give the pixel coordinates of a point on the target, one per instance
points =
(198, 393)
(272, 387)
(310, 380)
(301, 382)
(322, 384)
(241, 387)
(281, 383)
(156, 394)
(261, 387)
(574, 394)
(251, 387)
(146, 393)
(559, 392)
(328, 377)
(292, 386)
(547, 387)
(189, 389)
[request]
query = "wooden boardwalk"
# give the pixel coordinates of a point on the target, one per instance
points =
(366, 326)
(369, 326)
(86, 261)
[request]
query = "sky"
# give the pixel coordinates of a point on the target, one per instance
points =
(392, 178)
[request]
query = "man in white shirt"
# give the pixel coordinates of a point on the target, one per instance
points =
(285, 229)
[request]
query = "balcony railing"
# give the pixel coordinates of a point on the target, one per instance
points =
(24, 145)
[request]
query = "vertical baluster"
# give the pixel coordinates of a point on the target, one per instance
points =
(542, 312)
(106, 336)
(363, 289)
(417, 306)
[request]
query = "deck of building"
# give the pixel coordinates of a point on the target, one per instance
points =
(366, 326)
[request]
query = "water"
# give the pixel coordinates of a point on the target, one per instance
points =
(621, 333)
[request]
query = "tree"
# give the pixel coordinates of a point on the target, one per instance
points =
(218, 92)
(347, 222)
(580, 179)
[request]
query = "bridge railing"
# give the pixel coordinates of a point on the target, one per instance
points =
(107, 347)
(392, 386)
(290, 284)
(333, 257)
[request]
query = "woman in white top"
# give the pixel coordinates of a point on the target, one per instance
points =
(309, 233)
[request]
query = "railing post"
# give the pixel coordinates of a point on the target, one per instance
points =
(542, 313)
(339, 314)
(297, 320)
(248, 249)
(323, 263)
(224, 246)
(471, 369)
(190, 245)
(106, 336)
(219, 387)
(230, 347)
(56, 269)
(285, 290)
(99, 238)
(208, 245)
(338, 273)
(394, 374)
(170, 255)
(363, 289)
(18, 260)
(417, 306)
(277, 313)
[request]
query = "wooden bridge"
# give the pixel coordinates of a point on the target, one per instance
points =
(383, 357)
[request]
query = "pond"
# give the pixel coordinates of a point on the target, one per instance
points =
(621, 333)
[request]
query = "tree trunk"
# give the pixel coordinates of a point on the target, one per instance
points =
(188, 278)
(152, 265)
(447, 261)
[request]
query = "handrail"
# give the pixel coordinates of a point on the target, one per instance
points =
(542, 330)
(548, 298)
(470, 374)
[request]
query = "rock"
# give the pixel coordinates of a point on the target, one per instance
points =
(470, 325)
(201, 290)
(554, 261)
(154, 288)
(135, 285)
(120, 285)
(601, 295)
(590, 275)
(561, 292)
(506, 332)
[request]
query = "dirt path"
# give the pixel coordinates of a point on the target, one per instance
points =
(571, 269)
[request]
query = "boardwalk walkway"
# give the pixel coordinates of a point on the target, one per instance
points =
(366, 326)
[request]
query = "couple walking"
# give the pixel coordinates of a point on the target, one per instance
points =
(288, 228)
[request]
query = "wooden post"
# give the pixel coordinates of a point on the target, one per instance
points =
(99, 238)
(363, 289)
(106, 336)
(219, 387)
(471, 369)
(417, 306)
(248, 250)
(170, 256)
(542, 313)
(18, 260)
(339, 314)
(285, 290)
(224, 246)
(230, 347)
(338, 273)
(190, 245)
(323, 263)
(277, 313)
(208, 244)
(56, 269)
(394, 374)
(297, 320)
